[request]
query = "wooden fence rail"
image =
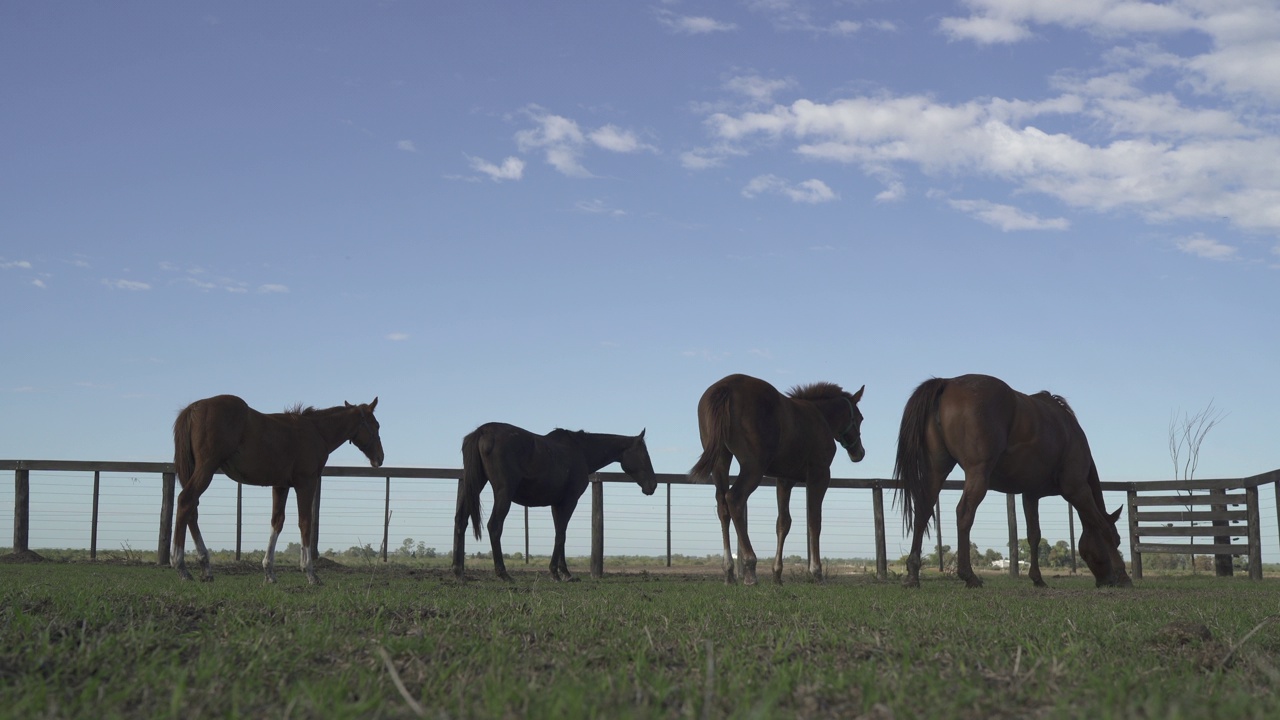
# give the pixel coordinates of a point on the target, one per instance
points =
(1142, 522)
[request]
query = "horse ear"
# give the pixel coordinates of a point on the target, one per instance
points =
(373, 404)
(641, 436)
(1115, 516)
(858, 395)
(344, 402)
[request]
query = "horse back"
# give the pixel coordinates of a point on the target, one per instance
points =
(249, 446)
(762, 428)
(535, 469)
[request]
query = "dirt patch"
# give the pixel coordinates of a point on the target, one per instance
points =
(22, 556)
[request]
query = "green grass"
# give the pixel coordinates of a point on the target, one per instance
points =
(128, 640)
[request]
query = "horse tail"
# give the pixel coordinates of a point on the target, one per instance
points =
(473, 480)
(912, 463)
(184, 457)
(713, 413)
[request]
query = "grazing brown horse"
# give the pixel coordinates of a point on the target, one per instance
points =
(537, 471)
(791, 437)
(1007, 441)
(281, 451)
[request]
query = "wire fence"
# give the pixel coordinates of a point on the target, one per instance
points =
(421, 512)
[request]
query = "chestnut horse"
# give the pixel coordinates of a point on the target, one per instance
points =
(281, 451)
(1006, 441)
(537, 471)
(791, 437)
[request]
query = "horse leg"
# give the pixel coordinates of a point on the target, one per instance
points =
(814, 493)
(722, 511)
(940, 466)
(206, 567)
(460, 520)
(305, 496)
(975, 489)
(501, 506)
(736, 498)
(1031, 510)
(187, 514)
(783, 526)
(279, 496)
(560, 515)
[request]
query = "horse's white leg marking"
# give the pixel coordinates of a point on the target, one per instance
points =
(269, 560)
(201, 552)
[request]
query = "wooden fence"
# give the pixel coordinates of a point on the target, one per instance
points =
(1140, 497)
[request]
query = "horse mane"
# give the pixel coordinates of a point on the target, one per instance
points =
(561, 432)
(300, 409)
(816, 391)
(1060, 401)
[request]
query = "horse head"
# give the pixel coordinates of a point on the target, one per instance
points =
(366, 435)
(636, 463)
(851, 438)
(1101, 552)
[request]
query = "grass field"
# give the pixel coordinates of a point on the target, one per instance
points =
(131, 640)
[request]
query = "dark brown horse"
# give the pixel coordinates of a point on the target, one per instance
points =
(791, 437)
(1006, 441)
(537, 471)
(281, 451)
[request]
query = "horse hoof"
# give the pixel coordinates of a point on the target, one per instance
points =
(911, 582)
(271, 579)
(1040, 583)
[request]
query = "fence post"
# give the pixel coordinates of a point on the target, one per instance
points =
(1255, 533)
(1071, 534)
(1135, 557)
(937, 522)
(668, 523)
(882, 553)
(21, 509)
(1222, 564)
(239, 518)
(597, 527)
(386, 520)
(1011, 510)
(526, 534)
(167, 481)
(93, 524)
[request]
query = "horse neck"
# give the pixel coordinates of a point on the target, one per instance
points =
(833, 411)
(600, 449)
(336, 426)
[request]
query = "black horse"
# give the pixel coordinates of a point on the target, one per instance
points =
(537, 471)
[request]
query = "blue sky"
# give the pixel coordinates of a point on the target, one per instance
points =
(582, 214)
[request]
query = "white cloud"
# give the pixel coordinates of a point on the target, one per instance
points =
(126, 285)
(1243, 55)
(894, 192)
(8, 264)
(563, 142)
(598, 207)
(407, 146)
(758, 89)
(612, 137)
(511, 168)
(808, 191)
(692, 25)
(1226, 171)
(397, 336)
(1206, 247)
(1007, 217)
(273, 288)
(39, 283)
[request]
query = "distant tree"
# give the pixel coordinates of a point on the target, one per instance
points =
(992, 555)
(1186, 434)
(406, 548)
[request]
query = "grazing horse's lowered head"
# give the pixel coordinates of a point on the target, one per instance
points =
(366, 434)
(636, 464)
(1102, 555)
